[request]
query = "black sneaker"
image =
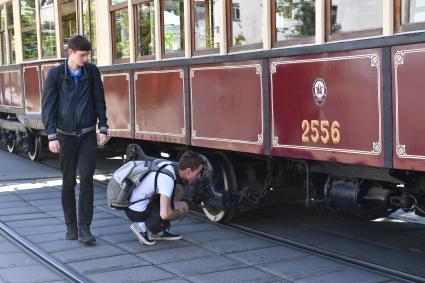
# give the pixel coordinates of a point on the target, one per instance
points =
(85, 236)
(165, 236)
(71, 233)
(143, 237)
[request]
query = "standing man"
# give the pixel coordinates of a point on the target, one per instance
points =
(73, 101)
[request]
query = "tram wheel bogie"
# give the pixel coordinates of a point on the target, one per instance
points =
(34, 149)
(11, 145)
(218, 207)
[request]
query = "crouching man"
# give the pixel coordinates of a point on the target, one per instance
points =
(165, 183)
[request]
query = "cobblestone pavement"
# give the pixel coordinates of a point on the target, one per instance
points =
(207, 252)
(16, 265)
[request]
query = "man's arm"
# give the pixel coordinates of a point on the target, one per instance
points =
(100, 101)
(166, 212)
(49, 103)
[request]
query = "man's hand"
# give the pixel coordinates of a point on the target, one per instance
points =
(54, 146)
(101, 139)
(184, 209)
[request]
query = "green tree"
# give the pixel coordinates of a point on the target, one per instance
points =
(305, 16)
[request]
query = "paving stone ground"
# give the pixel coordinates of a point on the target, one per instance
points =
(207, 252)
(18, 266)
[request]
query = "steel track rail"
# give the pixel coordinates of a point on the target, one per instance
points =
(310, 249)
(395, 274)
(41, 255)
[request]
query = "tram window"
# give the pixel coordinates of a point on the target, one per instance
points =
(3, 34)
(29, 32)
(120, 36)
(69, 22)
(348, 19)
(89, 25)
(145, 30)
(245, 24)
(205, 15)
(409, 15)
(48, 35)
(114, 2)
(293, 22)
(10, 30)
(172, 17)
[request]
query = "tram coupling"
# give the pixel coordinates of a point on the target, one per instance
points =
(368, 199)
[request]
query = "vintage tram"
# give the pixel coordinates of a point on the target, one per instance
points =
(277, 94)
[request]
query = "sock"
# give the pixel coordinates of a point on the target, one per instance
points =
(142, 226)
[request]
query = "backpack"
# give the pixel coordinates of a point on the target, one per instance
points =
(127, 177)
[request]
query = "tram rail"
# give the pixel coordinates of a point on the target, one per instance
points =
(72, 275)
(75, 277)
(395, 274)
(41, 255)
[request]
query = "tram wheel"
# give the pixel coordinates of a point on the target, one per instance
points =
(35, 151)
(11, 146)
(224, 181)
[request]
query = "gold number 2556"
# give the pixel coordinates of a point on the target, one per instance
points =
(319, 131)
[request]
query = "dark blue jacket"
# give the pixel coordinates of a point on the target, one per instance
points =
(72, 108)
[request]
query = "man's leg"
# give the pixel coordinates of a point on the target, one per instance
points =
(86, 167)
(68, 164)
(139, 227)
(165, 235)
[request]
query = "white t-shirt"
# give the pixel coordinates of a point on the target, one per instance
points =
(146, 188)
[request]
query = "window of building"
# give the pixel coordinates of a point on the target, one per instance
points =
(69, 22)
(29, 31)
(293, 22)
(48, 35)
(348, 19)
(236, 12)
(245, 24)
(120, 31)
(145, 30)
(10, 30)
(89, 25)
(172, 21)
(206, 29)
(409, 15)
(3, 35)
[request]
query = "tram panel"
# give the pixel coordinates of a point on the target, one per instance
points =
(32, 89)
(328, 107)
(12, 99)
(408, 105)
(117, 96)
(160, 108)
(227, 106)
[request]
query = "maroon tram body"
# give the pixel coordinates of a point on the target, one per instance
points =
(351, 115)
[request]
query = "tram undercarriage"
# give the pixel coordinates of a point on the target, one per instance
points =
(234, 183)
(233, 187)
(18, 138)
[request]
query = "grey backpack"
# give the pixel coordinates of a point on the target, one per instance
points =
(127, 177)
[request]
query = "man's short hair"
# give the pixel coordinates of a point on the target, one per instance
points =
(191, 160)
(79, 43)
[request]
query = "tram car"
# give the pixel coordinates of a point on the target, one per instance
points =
(325, 96)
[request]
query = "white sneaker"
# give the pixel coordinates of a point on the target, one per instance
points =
(143, 237)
